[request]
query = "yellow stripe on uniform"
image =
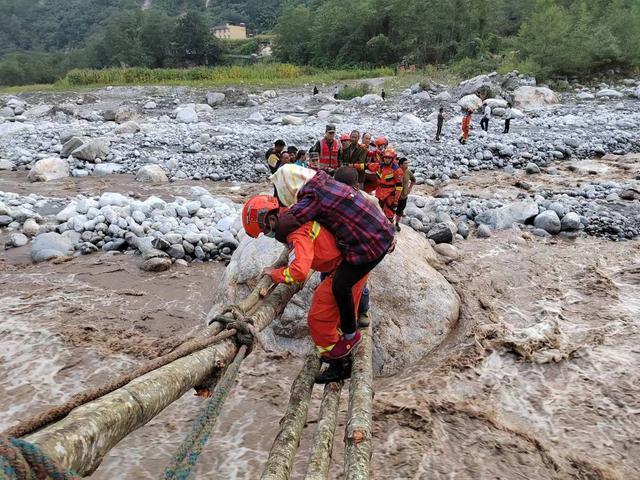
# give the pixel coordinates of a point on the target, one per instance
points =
(325, 349)
(315, 231)
(287, 276)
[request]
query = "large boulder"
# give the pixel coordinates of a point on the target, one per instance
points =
(548, 221)
(151, 174)
(50, 245)
(70, 145)
(534, 97)
(504, 217)
(127, 127)
(215, 98)
(410, 119)
(98, 148)
(49, 169)
(470, 102)
(408, 323)
(370, 99)
(187, 115)
(292, 120)
(475, 84)
(609, 93)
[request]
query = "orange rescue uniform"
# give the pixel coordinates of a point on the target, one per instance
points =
(313, 247)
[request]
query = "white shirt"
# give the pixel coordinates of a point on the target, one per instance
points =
(507, 113)
(487, 112)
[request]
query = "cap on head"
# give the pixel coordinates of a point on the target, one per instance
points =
(330, 129)
(254, 213)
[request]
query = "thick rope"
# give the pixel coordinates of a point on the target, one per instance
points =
(20, 460)
(190, 449)
(56, 413)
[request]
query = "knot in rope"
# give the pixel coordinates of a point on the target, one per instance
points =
(21, 460)
(246, 333)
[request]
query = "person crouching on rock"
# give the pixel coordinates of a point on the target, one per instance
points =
(311, 247)
(361, 231)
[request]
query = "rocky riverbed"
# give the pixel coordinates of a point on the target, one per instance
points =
(119, 209)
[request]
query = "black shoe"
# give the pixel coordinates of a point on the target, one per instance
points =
(338, 370)
(398, 227)
(363, 320)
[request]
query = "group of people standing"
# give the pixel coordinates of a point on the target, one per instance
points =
(380, 171)
(484, 122)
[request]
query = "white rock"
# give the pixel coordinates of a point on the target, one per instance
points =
(6, 165)
(269, 94)
(150, 105)
(215, 98)
(534, 97)
(113, 199)
(443, 96)
(203, 108)
(127, 127)
(496, 103)
(470, 102)
(92, 150)
(49, 169)
(187, 115)
(105, 169)
(585, 96)
(256, 117)
(152, 174)
(30, 227)
(370, 99)
(410, 119)
(292, 120)
(609, 93)
(50, 245)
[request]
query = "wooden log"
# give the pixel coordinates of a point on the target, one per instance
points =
(80, 441)
(358, 432)
(320, 457)
(286, 443)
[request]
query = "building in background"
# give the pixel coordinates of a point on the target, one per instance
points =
(230, 32)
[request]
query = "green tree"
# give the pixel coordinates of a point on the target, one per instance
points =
(293, 35)
(192, 38)
(156, 32)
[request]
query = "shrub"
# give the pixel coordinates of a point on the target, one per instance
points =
(354, 91)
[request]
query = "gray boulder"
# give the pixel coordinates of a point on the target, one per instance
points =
(6, 165)
(504, 217)
(6, 113)
(105, 169)
(70, 145)
(49, 169)
(30, 227)
(47, 246)
(215, 98)
(370, 99)
(440, 233)
(470, 102)
(532, 168)
(127, 127)
(186, 115)
(92, 150)
(549, 222)
(571, 221)
(152, 174)
(473, 85)
(534, 97)
(609, 93)
(16, 240)
(484, 231)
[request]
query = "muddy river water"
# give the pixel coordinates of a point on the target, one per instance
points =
(539, 379)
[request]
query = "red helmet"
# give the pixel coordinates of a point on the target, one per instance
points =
(345, 137)
(381, 141)
(390, 153)
(255, 212)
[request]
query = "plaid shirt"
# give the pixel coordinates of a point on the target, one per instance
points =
(362, 232)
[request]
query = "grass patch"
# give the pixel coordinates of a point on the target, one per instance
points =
(353, 91)
(265, 75)
(431, 73)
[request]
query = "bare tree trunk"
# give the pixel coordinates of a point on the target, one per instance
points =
(81, 440)
(286, 442)
(320, 457)
(358, 433)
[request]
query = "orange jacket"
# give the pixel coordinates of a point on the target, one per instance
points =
(311, 247)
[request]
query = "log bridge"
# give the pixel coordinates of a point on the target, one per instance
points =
(72, 439)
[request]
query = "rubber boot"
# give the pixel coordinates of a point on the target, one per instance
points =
(337, 371)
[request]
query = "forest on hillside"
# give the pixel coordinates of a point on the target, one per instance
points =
(41, 41)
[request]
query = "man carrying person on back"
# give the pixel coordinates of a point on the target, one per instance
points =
(329, 151)
(362, 233)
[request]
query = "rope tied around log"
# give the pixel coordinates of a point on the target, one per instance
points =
(246, 332)
(189, 451)
(21, 460)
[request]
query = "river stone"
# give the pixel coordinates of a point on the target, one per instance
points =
(548, 221)
(47, 246)
(447, 250)
(127, 127)
(215, 98)
(534, 97)
(30, 227)
(187, 115)
(49, 169)
(70, 145)
(16, 240)
(532, 168)
(484, 231)
(504, 217)
(399, 340)
(6, 165)
(155, 261)
(370, 99)
(105, 169)
(440, 233)
(97, 148)
(470, 102)
(571, 221)
(410, 119)
(152, 174)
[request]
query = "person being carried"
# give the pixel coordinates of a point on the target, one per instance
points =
(329, 151)
(362, 233)
(311, 247)
(408, 182)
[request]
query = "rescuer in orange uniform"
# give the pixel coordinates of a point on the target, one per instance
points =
(311, 247)
(390, 176)
(372, 179)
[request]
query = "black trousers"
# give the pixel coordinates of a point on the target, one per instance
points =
(507, 125)
(347, 275)
(439, 132)
(402, 204)
(484, 124)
